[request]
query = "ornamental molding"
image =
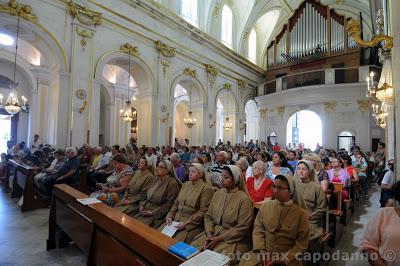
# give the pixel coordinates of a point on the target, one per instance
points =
(16, 9)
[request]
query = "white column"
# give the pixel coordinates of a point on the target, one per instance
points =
(34, 117)
(390, 129)
(94, 115)
(330, 76)
(81, 79)
(278, 84)
(395, 32)
(163, 100)
(64, 111)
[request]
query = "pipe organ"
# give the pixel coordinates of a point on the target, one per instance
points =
(314, 30)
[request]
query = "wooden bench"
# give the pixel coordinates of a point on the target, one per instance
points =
(23, 184)
(105, 235)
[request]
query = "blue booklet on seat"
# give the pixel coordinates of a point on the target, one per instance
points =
(183, 250)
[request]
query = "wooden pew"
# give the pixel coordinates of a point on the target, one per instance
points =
(31, 200)
(105, 235)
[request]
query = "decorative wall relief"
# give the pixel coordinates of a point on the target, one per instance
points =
(165, 49)
(129, 49)
(190, 72)
(263, 112)
(84, 14)
(165, 64)
(15, 9)
(242, 84)
(364, 105)
(84, 34)
(281, 110)
(227, 86)
(212, 73)
(330, 106)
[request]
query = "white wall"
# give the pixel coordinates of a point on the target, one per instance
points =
(336, 104)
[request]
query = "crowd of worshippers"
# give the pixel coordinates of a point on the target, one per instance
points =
(213, 192)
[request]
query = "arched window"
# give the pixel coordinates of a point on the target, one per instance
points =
(226, 26)
(253, 45)
(189, 11)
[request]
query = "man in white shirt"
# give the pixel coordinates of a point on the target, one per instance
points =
(387, 184)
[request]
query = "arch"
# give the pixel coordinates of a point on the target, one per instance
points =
(235, 101)
(49, 43)
(179, 78)
(252, 120)
(345, 139)
(143, 75)
(193, 95)
(298, 132)
(113, 55)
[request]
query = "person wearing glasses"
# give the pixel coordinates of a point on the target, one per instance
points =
(190, 205)
(160, 196)
(229, 218)
(281, 228)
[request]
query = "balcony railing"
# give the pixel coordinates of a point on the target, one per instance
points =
(321, 77)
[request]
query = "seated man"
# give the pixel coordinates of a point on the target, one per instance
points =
(56, 165)
(67, 174)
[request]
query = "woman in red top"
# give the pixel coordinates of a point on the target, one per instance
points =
(258, 185)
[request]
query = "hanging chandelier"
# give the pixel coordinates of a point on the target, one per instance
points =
(127, 114)
(190, 121)
(12, 105)
(227, 125)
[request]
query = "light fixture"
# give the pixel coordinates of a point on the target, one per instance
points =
(385, 90)
(6, 40)
(127, 114)
(190, 121)
(12, 105)
(227, 125)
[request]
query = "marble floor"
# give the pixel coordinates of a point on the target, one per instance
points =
(23, 238)
(23, 235)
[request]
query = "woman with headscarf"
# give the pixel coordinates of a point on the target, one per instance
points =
(310, 196)
(281, 228)
(191, 205)
(137, 188)
(229, 218)
(160, 196)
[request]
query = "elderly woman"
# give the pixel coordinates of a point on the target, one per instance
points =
(258, 186)
(281, 229)
(160, 196)
(112, 192)
(229, 218)
(279, 166)
(310, 194)
(137, 187)
(190, 205)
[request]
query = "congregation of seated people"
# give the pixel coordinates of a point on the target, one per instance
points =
(254, 199)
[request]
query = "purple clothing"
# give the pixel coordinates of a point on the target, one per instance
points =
(343, 176)
(181, 173)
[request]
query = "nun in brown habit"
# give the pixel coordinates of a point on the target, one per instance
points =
(160, 196)
(137, 188)
(229, 218)
(281, 228)
(191, 205)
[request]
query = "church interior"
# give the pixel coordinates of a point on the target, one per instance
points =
(193, 132)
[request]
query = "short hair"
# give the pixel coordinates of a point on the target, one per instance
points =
(120, 158)
(206, 154)
(116, 147)
(59, 152)
(175, 155)
(71, 149)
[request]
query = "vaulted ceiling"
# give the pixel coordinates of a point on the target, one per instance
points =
(267, 17)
